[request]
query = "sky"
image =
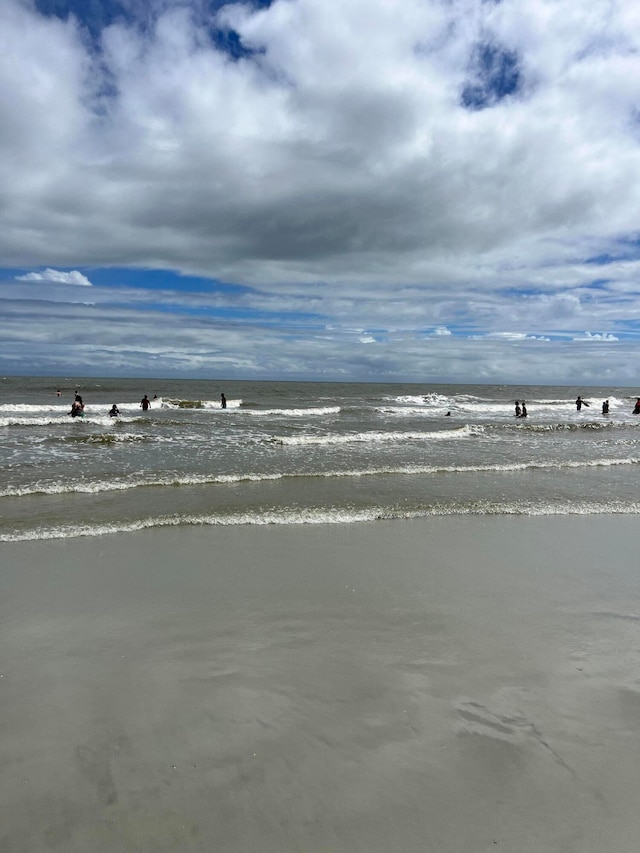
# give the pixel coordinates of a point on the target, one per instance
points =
(366, 190)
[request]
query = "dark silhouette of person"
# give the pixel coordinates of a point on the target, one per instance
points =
(518, 409)
(223, 401)
(145, 403)
(605, 407)
(524, 410)
(114, 411)
(580, 403)
(636, 408)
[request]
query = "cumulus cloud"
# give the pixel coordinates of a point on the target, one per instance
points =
(57, 277)
(340, 145)
(596, 336)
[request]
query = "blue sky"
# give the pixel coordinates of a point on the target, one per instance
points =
(321, 189)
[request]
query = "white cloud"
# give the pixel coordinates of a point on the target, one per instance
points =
(57, 277)
(506, 336)
(596, 336)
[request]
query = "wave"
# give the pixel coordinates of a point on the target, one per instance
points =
(572, 426)
(373, 437)
(293, 413)
(423, 400)
(324, 516)
(173, 403)
(406, 411)
(126, 484)
(31, 408)
(90, 408)
(95, 420)
(110, 438)
(50, 421)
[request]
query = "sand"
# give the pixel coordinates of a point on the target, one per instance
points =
(448, 684)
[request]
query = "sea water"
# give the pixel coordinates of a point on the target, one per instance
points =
(303, 453)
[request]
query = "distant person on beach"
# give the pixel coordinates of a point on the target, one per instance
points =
(580, 403)
(524, 410)
(605, 407)
(114, 411)
(636, 408)
(518, 409)
(145, 403)
(223, 401)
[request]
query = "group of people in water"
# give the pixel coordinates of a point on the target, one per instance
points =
(521, 408)
(605, 406)
(77, 407)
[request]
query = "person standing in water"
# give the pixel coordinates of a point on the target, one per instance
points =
(223, 401)
(77, 407)
(145, 403)
(605, 407)
(524, 410)
(518, 409)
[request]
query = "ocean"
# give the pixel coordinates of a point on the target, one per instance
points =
(304, 453)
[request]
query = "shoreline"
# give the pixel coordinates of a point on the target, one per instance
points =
(441, 684)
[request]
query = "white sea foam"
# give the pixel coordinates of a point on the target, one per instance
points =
(324, 516)
(169, 403)
(409, 411)
(34, 408)
(374, 437)
(133, 482)
(422, 401)
(315, 411)
(123, 484)
(119, 437)
(22, 421)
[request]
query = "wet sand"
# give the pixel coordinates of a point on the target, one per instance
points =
(449, 684)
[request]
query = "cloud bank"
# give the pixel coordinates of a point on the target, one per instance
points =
(442, 171)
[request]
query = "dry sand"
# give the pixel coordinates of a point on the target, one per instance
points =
(449, 684)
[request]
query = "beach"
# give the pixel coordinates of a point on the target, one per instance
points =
(442, 684)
